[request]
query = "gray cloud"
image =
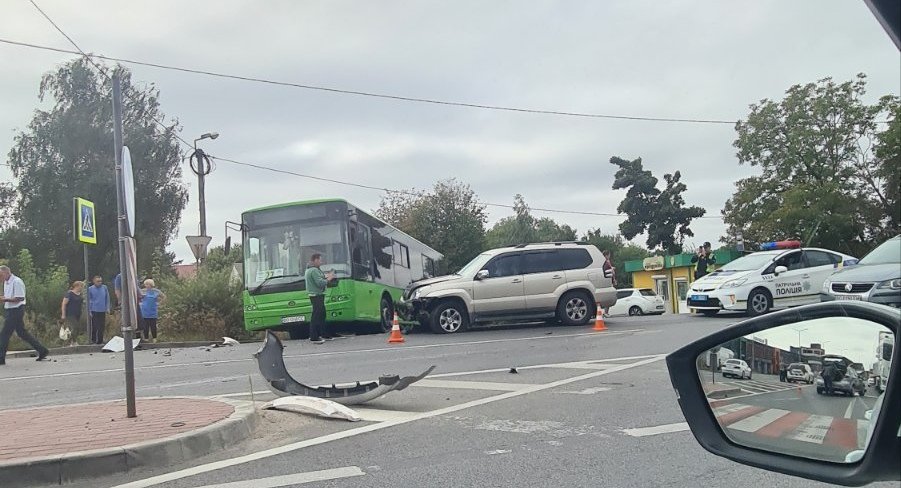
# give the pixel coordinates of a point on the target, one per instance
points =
(670, 59)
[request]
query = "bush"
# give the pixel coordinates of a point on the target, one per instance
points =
(206, 307)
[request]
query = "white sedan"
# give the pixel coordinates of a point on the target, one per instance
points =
(637, 301)
(766, 280)
(736, 368)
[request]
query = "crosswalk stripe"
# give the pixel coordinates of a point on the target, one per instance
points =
(813, 429)
(732, 417)
(783, 425)
(755, 422)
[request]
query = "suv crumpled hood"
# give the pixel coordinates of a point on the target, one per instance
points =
(868, 272)
(431, 281)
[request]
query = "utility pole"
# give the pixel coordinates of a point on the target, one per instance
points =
(201, 169)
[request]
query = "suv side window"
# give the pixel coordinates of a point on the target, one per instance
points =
(819, 258)
(504, 265)
(575, 258)
(647, 292)
(542, 262)
(623, 294)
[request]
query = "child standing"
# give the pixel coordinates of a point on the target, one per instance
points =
(151, 298)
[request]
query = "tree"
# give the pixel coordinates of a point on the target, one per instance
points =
(67, 151)
(661, 214)
(621, 251)
(821, 181)
(523, 228)
(217, 260)
(888, 154)
(449, 218)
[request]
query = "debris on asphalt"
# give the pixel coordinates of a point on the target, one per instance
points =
(513, 371)
(313, 406)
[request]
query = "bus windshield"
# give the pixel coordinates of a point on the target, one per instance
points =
(278, 254)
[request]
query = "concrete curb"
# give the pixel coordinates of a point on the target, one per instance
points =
(67, 468)
(85, 349)
(724, 393)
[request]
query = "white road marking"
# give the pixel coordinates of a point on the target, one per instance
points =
(332, 353)
(850, 409)
(727, 409)
(657, 429)
(813, 429)
(293, 479)
(471, 385)
(756, 422)
(382, 415)
(589, 391)
(205, 468)
(498, 451)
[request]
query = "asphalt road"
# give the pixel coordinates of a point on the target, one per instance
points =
(584, 409)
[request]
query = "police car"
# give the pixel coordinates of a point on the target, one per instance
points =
(782, 275)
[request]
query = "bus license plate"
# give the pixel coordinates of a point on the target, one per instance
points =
(699, 298)
(291, 320)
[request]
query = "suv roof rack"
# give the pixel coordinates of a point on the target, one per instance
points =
(555, 243)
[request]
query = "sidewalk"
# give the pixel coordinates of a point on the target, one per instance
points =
(55, 445)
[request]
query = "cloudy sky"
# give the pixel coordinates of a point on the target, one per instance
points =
(677, 59)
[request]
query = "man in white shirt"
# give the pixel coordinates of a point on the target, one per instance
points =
(13, 300)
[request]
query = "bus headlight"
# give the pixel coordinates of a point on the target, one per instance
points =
(250, 307)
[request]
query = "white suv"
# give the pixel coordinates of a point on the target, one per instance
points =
(557, 280)
(800, 372)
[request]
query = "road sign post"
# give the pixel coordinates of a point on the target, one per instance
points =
(125, 206)
(199, 246)
(85, 231)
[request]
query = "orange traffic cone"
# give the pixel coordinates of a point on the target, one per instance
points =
(599, 321)
(396, 337)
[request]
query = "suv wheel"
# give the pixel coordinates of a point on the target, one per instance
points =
(449, 317)
(574, 308)
(635, 310)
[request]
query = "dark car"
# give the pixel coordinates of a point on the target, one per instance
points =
(847, 379)
(876, 278)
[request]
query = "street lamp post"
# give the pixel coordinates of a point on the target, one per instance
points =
(201, 170)
(799, 338)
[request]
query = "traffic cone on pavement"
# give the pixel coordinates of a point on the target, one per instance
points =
(599, 321)
(396, 337)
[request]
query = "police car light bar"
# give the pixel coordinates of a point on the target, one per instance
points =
(770, 246)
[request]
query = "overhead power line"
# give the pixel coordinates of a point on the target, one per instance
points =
(387, 96)
(319, 178)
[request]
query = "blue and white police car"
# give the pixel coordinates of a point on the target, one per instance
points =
(783, 275)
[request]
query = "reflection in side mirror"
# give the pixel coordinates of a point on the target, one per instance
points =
(779, 270)
(482, 274)
(772, 392)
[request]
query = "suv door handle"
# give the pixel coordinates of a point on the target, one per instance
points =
(557, 277)
(806, 276)
(516, 280)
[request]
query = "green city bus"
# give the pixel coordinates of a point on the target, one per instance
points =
(372, 260)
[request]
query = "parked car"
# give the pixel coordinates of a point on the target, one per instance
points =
(637, 301)
(800, 372)
(767, 280)
(736, 368)
(850, 382)
(564, 281)
(876, 278)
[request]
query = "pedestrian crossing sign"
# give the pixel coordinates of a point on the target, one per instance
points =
(85, 221)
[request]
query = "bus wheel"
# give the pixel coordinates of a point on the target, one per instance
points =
(386, 308)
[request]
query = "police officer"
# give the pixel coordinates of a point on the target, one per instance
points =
(705, 260)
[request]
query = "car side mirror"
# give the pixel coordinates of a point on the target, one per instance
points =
(817, 431)
(779, 270)
(482, 274)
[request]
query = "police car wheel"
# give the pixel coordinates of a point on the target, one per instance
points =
(759, 303)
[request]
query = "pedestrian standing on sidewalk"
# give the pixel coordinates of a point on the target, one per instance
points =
(151, 298)
(13, 300)
(98, 306)
(316, 282)
(71, 310)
